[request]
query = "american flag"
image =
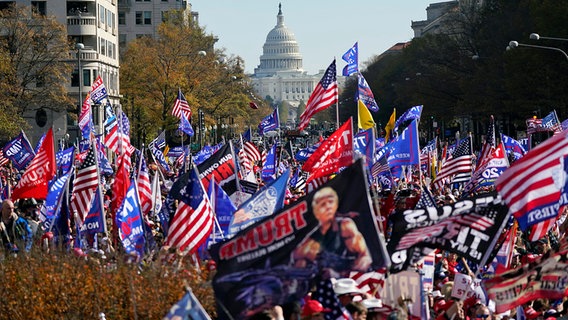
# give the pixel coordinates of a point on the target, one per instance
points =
(193, 220)
(84, 186)
(370, 282)
(3, 160)
(251, 151)
(144, 186)
(245, 163)
(529, 185)
(489, 145)
(459, 162)
(326, 296)
(181, 106)
(325, 94)
(380, 166)
(534, 125)
(426, 199)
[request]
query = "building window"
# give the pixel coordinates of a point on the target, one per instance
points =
(39, 7)
(101, 14)
(109, 18)
(122, 18)
(143, 17)
(139, 17)
(147, 17)
(103, 47)
(122, 39)
(86, 77)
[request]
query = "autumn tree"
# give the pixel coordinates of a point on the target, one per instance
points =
(34, 68)
(182, 57)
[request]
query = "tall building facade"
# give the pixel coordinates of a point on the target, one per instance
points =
(279, 77)
(93, 25)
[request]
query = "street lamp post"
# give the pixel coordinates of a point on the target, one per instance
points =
(79, 46)
(514, 44)
(536, 36)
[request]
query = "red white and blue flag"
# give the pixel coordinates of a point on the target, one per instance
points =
(193, 220)
(84, 186)
(181, 106)
(98, 91)
(35, 180)
(324, 95)
(144, 187)
(86, 119)
(532, 186)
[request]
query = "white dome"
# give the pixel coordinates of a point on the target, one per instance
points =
(281, 51)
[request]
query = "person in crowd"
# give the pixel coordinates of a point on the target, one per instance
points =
(373, 306)
(357, 310)
(482, 312)
(292, 310)
(337, 244)
(313, 310)
(346, 290)
(15, 231)
(30, 211)
(273, 313)
(403, 309)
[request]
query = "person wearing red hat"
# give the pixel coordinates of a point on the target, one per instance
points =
(313, 309)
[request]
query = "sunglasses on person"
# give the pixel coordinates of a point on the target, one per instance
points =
(481, 316)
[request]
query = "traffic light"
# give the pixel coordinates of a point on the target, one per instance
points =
(201, 120)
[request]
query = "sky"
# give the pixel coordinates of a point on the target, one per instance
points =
(324, 29)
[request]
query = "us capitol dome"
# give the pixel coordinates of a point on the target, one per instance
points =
(279, 77)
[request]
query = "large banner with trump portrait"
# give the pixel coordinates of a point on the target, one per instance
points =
(329, 232)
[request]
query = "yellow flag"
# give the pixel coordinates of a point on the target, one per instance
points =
(166, 150)
(390, 125)
(365, 118)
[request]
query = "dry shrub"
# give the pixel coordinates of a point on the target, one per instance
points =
(63, 286)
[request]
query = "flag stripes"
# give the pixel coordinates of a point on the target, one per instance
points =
(84, 186)
(181, 106)
(144, 187)
(193, 220)
(324, 95)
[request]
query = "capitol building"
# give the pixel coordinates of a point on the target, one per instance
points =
(279, 77)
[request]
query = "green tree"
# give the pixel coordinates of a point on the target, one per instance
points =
(35, 66)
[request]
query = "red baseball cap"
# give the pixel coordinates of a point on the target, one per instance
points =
(312, 307)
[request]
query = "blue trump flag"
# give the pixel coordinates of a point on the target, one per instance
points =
(185, 126)
(64, 159)
(269, 168)
(413, 113)
(129, 222)
(19, 151)
(352, 59)
(364, 144)
(188, 308)
(95, 219)
(513, 146)
(261, 205)
(223, 208)
(53, 200)
(405, 150)
(304, 154)
(269, 123)
(247, 135)
(365, 94)
(159, 157)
